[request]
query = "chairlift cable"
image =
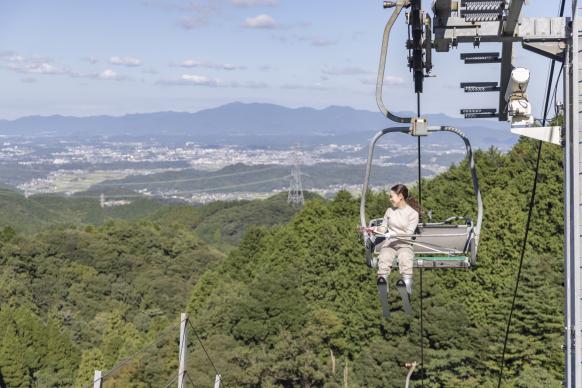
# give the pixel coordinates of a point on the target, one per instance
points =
(171, 381)
(127, 360)
(190, 379)
(179, 192)
(421, 269)
(206, 353)
(530, 211)
(145, 183)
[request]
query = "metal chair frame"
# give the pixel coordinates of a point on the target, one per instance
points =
(428, 254)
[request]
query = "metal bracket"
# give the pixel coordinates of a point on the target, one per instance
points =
(552, 50)
(548, 134)
(419, 127)
(552, 29)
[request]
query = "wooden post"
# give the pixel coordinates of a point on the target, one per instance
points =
(183, 349)
(97, 381)
(346, 384)
(332, 361)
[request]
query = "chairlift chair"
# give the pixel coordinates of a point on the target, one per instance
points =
(446, 244)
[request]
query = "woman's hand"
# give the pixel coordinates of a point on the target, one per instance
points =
(368, 230)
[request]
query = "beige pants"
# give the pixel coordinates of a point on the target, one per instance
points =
(389, 253)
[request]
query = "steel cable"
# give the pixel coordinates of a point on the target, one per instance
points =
(529, 214)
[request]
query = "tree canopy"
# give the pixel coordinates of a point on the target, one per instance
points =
(291, 303)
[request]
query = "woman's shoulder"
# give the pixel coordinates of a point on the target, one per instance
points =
(411, 210)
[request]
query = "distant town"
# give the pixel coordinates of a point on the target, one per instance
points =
(71, 167)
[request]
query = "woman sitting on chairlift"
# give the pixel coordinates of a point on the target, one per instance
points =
(401, 218)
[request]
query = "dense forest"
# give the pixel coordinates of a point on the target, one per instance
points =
(282, 298)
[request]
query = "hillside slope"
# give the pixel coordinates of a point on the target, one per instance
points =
(294, 304)
(296, 300)
(76, 299)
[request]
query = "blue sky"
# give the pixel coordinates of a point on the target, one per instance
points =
(84, 58)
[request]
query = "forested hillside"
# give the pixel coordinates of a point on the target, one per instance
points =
(224, 223)
(292, 299)
(36, 213)
(89, 290)
(221, 223)
(294, 303)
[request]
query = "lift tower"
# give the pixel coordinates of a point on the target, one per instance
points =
(459, 22)
(557, 38)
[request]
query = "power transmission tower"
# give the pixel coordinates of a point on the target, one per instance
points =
(295, 196)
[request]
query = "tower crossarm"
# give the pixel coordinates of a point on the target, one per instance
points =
(539, 29)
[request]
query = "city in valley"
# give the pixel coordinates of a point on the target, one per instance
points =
(195, 172)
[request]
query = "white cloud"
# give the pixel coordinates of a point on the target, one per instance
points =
(125, 61)
(31, 65)
(39, 68)
(43, 66)
(28, 80)
(200, 80)
(109, 74)
(104, 75)
(250, 3)
(352, 70)
(190, 63)
(9, 56)
(192, 79)
(261, 21)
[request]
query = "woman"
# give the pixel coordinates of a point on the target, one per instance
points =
(401, 218)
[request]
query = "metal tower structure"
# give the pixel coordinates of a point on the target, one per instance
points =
(556, 38)
(572, 208)
(295, 196)
(458, 22)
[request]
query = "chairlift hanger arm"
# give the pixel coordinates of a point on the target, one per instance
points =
(398, 5)
(373, 142)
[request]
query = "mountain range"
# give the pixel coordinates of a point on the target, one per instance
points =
(248, 124)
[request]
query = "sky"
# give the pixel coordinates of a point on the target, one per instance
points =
(112, 57)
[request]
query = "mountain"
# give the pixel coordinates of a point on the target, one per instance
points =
(246, 124)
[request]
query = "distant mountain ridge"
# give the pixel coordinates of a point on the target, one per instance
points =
(247, 123)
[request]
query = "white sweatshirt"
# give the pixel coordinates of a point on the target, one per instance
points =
(399, 221)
